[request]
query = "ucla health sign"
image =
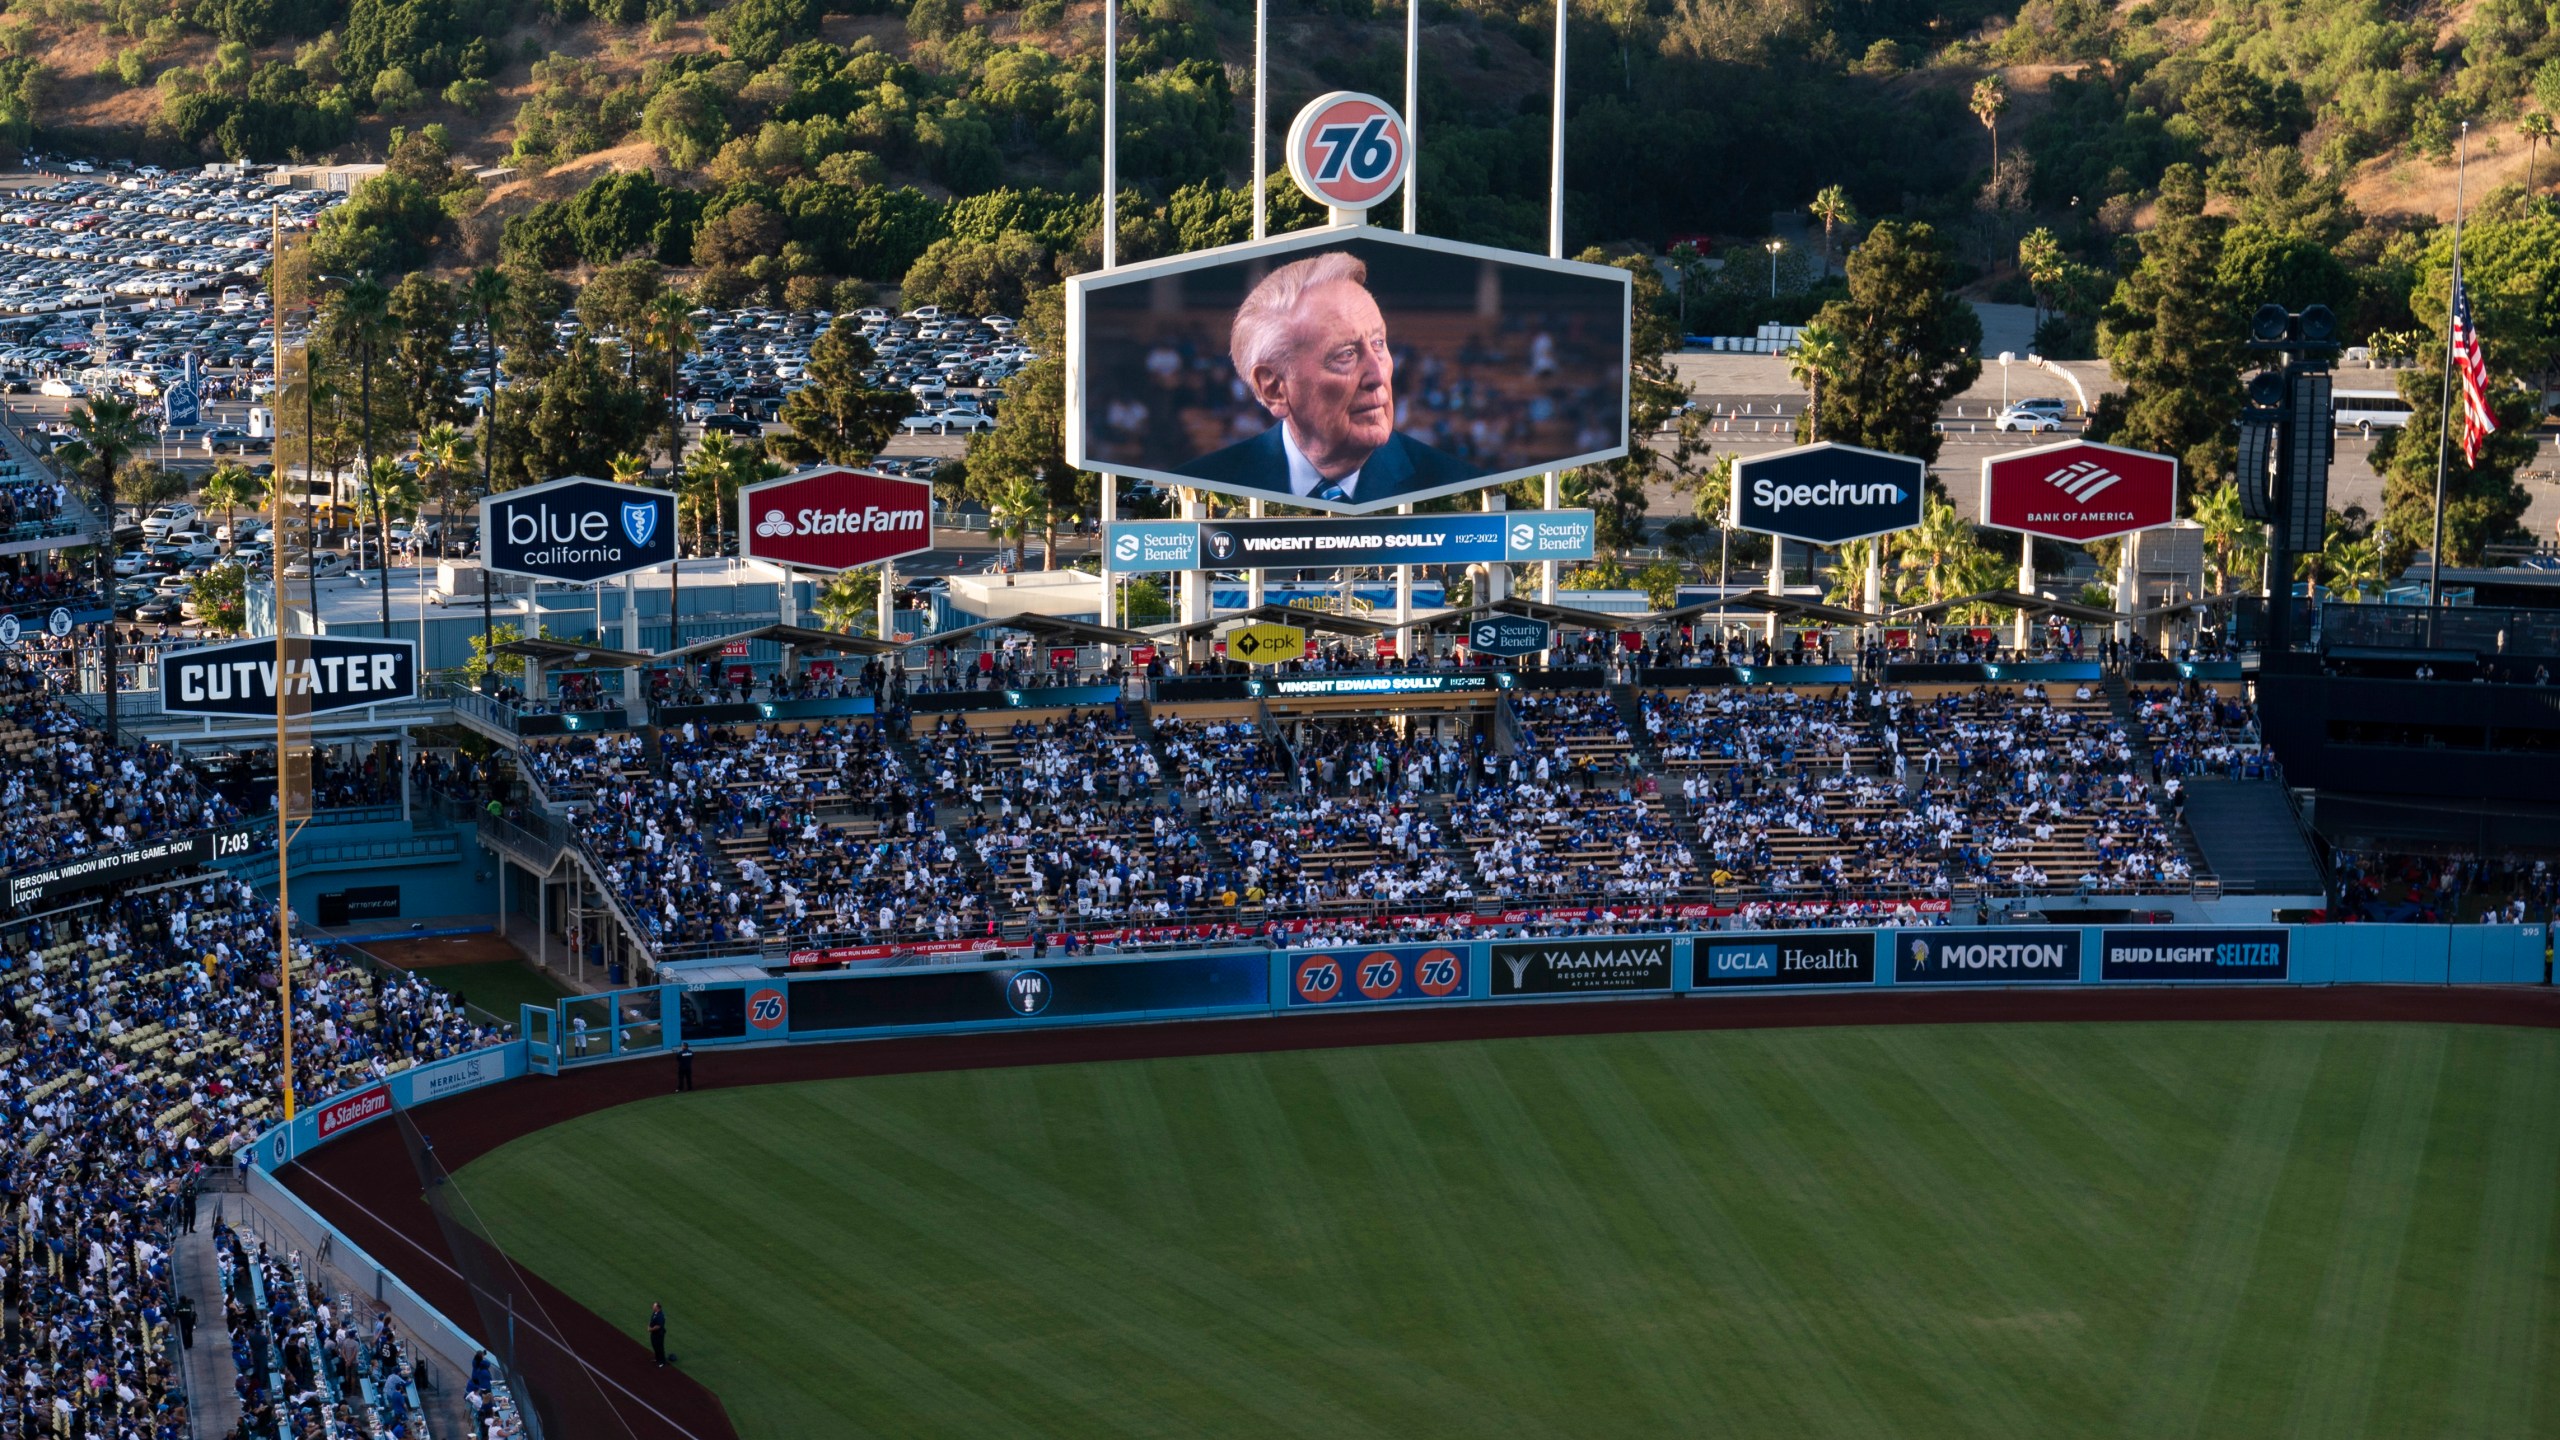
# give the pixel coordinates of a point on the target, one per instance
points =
(2014, 955)
(2179, 952)
(1804, 958)
(1451, 539)
(578, 530)
(1828, 494)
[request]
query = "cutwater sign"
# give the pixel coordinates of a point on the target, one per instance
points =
(2016, 955)
(1450, 539)
(319, 674)
(1828, 494)
(1509, 635)
(578, 530)
(1809, 958)
(2180, 952)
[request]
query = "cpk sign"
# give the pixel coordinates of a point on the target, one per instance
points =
(835, 519)
(2079, 490)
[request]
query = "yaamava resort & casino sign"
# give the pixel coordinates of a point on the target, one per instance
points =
(835, 519)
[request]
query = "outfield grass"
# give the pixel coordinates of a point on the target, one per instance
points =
(2317, 1231)
(500, 987)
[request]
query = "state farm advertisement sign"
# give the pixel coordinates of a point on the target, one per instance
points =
(2079, 490)
(348, 1111)
(834, 519)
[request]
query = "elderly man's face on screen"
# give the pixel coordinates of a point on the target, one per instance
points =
(1336, 385)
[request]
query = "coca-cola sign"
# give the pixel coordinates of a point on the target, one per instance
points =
(2079, 490)
(835, 519)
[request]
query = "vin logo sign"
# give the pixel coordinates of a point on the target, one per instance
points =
(1570, 965)
(319, 673)
(2012, 956)
(1830, 959)
(2178, 952)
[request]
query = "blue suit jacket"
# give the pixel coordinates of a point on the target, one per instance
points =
(1401, 467)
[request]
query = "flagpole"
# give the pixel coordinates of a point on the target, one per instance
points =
(2444, 417)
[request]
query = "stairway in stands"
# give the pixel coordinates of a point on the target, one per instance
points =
(2199, 862)
(2248, 830)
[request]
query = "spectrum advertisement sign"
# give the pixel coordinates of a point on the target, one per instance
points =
(1577, 965)
(1828, 494)
(1377, 976)
(1783, 958)
(2178, 952)
(832, 519)
(2014, 955)
(1515, 537)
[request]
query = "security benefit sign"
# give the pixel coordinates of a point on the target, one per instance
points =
(319, 674)
(2079, 490)
(1378, 976)
(1810, 958)
(1581, 965)
(2179, 952)
(829, 519)
(2013, 956)
(578, 530)
(1828, 494)
(1509, 635)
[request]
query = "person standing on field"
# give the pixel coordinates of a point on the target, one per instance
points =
(658, 1332)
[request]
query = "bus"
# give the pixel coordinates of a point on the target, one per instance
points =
(2368, 410)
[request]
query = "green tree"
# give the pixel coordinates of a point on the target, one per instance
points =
(1027, 447)
(2173, 336)
(425, 368)
(1944, 557)
(575, 418)
(1906, 344)
(444, 468)
(104, 432)
(838, 417)
(231, 487)
(2537, 130)
(1990, 101)
(2235, 545)
(978, 277)
(667, 333)
(1615, 489)
(221, 599)
(850, 603)
(1833, 207)
(1817, 356)
(2511, 270)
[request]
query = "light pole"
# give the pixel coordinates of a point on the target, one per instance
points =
(1774, 247)
(2005, 357)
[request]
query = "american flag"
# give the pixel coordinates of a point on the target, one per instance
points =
(2479, 422)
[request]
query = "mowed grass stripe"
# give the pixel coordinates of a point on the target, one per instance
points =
(2503, 1365)
(2342, 1347)
(1774, 1366)
(2173, 1379)
(1853, 1234)
(1271, 1330)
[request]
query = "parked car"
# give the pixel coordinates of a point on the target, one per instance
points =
(2032, 422)
(731, 425)
(177, 515)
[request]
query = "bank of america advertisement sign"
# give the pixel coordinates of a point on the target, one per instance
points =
(2079, 491)
(1828, 494)
(2013, 955)
(1807, 958)
(1516, 537)
(835, 519)
(2179, 952)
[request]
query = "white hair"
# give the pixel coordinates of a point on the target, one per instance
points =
(1261, 335)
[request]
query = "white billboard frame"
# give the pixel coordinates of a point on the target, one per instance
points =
(1318, 238)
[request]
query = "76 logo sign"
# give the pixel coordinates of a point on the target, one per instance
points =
(766, 1010)
(1405, 973)
(1348, 151)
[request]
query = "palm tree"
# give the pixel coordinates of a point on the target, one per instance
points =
(2233, 539)
(630, 469)
(487, 292)
(1018, 506)
(2355, 566)
(1990, 99)
(2538, 130)
(704, 479)
(107, 432)
(669, 332)
(1818, 356)
(1832, 206)
(392, 490)
(360, 321)
(444, 459)
(1943, 557)
(231, 487)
